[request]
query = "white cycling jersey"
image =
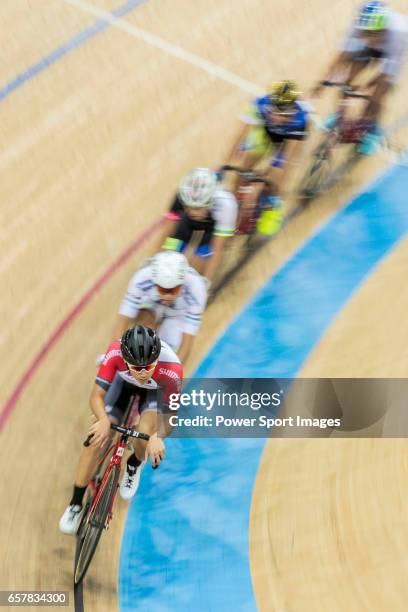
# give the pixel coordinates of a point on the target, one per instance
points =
(183, 316)
(224, 211)
(393, 46)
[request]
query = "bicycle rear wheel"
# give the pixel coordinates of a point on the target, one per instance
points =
(92, 526)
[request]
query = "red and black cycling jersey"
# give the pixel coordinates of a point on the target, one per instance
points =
(167, 375)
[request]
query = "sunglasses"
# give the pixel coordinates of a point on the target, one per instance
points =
(172, 291)
(146, 368)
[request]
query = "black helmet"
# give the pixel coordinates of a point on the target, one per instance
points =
(140, 345)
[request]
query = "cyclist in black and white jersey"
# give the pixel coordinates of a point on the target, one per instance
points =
(200, 205)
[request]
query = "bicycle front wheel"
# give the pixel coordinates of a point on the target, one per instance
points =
(318, 173)
(91, 528)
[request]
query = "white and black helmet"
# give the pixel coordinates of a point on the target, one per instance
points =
(169, 269)
(197, 188)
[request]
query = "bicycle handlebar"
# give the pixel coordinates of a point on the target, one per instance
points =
(347, 90)
(250, 177)
(127, 431)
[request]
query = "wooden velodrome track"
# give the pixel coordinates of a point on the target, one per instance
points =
(92, 149)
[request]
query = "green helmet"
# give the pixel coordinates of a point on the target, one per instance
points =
(373, 17)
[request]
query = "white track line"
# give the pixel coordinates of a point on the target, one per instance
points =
(174, 50)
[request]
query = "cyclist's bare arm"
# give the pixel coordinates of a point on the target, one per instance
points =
(122, 324)
(144, 317)
(147, 424)
(158, 427)
(99, 430)
(185, 347)
(164, 427)
(217, 243)
(97, 402)
(235, 150)
(167, 229)
(341, 62)
(147, 318)
(90, 455)
(156, 450)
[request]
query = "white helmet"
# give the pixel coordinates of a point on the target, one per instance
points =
(197, 188)
(169, 269)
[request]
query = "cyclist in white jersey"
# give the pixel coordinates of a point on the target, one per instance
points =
(166, 294)
(378, 36)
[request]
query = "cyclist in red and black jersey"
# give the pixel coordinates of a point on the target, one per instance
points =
(138, 360)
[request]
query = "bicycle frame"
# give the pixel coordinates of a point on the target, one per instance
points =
(247, 198)
(102, 497)
(116, 459)
(117, 450)
(357, 127)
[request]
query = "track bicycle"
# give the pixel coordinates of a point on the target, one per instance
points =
(101, 493)
(327, 164)
(245, 239)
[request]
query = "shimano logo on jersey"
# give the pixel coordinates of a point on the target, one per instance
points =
(110, 354)
(169, 373)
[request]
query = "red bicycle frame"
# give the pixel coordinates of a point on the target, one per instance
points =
(117, 449)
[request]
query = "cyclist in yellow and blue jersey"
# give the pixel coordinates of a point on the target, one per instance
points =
(275, 126)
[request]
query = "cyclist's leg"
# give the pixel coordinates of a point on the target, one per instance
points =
(271, 217)
(255, 147)
(147, 424)
(88, 462)
(134, 466)
(115, 403)
(373, 134)
(203, 252)
(358, 64)
(283, 163)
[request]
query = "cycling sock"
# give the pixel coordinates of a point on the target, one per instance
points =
(77, 496)
(133, 461)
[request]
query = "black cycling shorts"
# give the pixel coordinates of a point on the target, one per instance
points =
(121, 394)
(366, 55)
(184, 232)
